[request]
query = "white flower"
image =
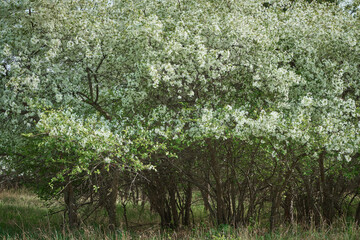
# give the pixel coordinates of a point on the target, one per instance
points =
(70, 44)
(256, 77)
(306, 101)
(324, 102)
(107, 160)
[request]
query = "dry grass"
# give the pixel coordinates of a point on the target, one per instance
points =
(24, 216)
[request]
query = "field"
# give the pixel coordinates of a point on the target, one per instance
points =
(24, 216)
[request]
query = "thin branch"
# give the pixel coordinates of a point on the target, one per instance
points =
(97, 88)
(100, 63)
(84, 97)
(88, 70)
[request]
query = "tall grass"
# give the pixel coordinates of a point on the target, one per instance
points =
(24, 216)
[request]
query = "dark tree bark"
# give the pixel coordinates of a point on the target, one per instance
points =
(289, 206)
(109, 194)
(216, 171)
(70, 201)
(274, 212)
(327, 202)
(188, 199)
(174, 210)
(357, 214)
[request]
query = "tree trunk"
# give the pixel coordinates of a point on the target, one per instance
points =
(70, 202)
(327, 201)
(220, 208)
(188, 193)
(274, 213)
(289, 206)
(357, 214)
(174, 212)
(111, 196)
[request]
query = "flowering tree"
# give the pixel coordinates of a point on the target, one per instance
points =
(248, 84)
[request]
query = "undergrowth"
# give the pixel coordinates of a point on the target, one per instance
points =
(24, 216)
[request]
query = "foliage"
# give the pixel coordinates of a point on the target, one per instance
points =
(248, 102)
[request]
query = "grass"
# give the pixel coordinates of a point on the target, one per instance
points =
(24, 216)
(21, 211)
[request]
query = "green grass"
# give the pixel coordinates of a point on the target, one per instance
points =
(21, 211)
(24, 216)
